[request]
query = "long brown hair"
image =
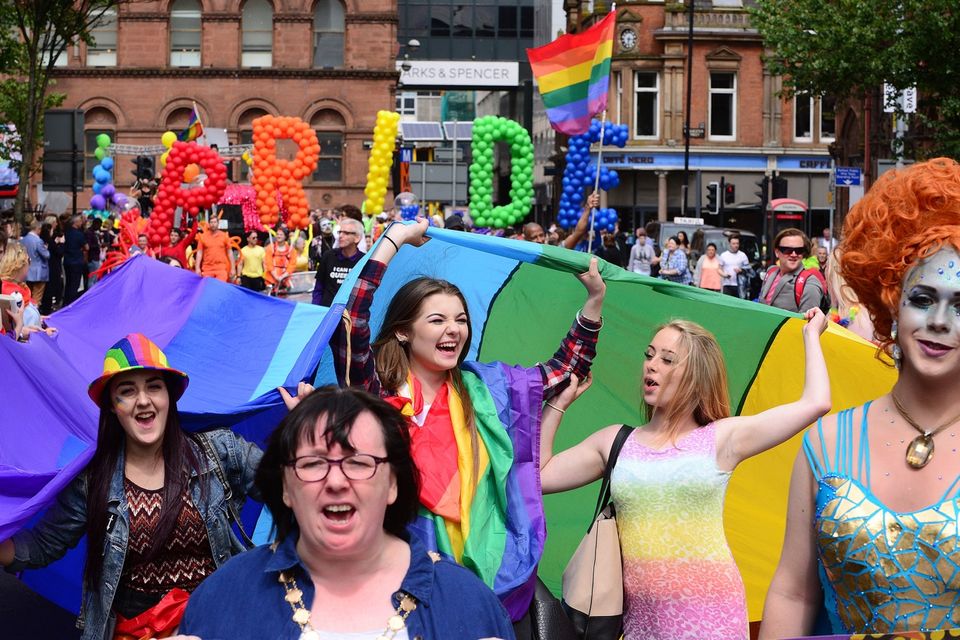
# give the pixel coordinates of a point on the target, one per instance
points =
(702, 388)
(392, 357)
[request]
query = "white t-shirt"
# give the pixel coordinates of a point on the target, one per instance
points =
(729, 261)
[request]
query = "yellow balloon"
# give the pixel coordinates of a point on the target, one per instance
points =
(168, 138)
(163, 158)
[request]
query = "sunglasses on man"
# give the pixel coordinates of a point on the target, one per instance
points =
(794, 250)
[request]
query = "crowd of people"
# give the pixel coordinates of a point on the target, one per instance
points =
(410, 453)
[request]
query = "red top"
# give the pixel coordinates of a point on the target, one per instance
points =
(179, 251)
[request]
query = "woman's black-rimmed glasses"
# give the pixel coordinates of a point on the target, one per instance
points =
(359, 466)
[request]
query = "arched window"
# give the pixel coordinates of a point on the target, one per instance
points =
(328, 28)
(95, 121)
(103, 51)
(329, 126)
(257, 24)
(185, 33)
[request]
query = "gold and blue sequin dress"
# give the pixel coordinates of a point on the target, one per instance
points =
(881, 570)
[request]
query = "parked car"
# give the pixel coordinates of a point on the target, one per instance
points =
(749, 244)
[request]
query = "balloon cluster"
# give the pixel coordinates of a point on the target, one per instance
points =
(580, 174)
(105, 195)
(381, 159)
(167, 139)
(605, 220)
(487, 131)
(273, 176)
(198, 194)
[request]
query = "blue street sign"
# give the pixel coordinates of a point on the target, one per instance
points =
(406, 154)
(847, 177)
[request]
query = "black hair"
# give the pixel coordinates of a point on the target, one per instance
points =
(711, 244)
(340, 409)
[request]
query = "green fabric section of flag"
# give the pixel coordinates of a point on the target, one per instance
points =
(548, 299)
(578, 91)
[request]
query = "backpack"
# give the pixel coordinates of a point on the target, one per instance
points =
(801, 282)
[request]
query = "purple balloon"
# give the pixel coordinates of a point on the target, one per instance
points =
(119, 199)
(98, 202)
(108, 190)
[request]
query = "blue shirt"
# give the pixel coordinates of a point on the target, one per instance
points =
(244, 599)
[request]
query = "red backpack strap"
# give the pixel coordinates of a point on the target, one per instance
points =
(802, 281)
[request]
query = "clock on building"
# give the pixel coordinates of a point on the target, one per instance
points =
(628, 39)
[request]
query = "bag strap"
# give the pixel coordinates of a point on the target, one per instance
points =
(604, 498)
(204, 442)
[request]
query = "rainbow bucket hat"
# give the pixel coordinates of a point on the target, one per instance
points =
(137, 351)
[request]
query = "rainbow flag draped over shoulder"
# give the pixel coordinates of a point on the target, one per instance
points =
(573, 75)
(194, 128)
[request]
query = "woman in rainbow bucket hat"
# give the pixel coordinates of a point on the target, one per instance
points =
(154, 502)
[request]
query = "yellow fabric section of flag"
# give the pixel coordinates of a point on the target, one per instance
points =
(756, 505)
(469, 475)
(575, 74)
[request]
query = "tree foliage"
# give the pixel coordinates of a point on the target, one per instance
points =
(850, 48)
(34, 34)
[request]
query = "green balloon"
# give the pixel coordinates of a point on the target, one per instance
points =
(99, 153)
(103, 141)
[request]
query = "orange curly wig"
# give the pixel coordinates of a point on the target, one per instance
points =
(906, 216)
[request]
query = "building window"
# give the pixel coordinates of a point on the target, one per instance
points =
(828, 118)
(330, 163)
(257, 25)
(646, 106)
(103, 51)
(328, 29)
(723, 105)
(89, 147)
(803, 117)
(61, 60)
(618, 84)
(185, 26)
(407, 103)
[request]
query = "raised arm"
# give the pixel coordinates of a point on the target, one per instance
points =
(360, 370)
(794, 595)
(572, 240)
(579, 346)
(740, 437)
(581, 464)
(183, 244)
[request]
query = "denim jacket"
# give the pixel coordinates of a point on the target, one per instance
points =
(66, 522)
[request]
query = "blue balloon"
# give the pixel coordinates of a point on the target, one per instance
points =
(97, 187)
(107, 163)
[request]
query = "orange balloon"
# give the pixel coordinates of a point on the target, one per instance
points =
(190, 172)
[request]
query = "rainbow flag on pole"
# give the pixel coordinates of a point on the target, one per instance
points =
(573, 75)
(194, 127)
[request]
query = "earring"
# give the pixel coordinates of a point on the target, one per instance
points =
(895, 352)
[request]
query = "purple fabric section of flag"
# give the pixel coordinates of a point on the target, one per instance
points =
(569, 119)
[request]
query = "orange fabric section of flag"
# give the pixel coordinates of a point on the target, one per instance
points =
(573, 75)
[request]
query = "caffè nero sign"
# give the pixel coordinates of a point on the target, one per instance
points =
(454, 73)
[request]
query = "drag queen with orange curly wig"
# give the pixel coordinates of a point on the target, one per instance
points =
(872, 526)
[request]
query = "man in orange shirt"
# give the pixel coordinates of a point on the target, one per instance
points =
(213, 252)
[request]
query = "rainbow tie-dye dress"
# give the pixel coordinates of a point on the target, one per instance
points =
(679, 577)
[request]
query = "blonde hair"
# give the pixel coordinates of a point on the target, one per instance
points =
(702, 389)
(13, 260)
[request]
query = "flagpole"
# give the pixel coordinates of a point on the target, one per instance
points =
(197, 111)
(596, 184)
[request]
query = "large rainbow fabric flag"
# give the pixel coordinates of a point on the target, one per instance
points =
(522, 297)
(194, 127)
(573, 75)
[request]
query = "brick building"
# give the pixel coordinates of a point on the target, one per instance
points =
(328, 62)
(744, 130)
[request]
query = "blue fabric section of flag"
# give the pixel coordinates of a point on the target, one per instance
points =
(289, 351)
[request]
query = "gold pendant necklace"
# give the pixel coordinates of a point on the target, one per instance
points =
(301, 615)
(920, 450)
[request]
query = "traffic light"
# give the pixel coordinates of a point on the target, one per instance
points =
(713, 198)
(779, 187)
(729, 193)
(762, 193)
(144, 170)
